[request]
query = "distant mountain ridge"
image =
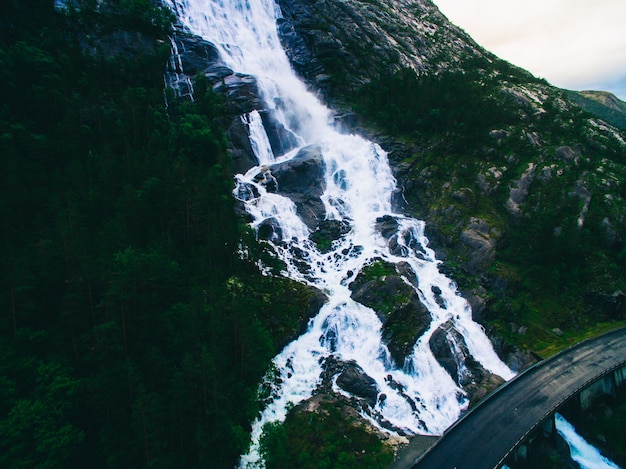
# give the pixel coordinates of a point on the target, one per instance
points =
(603, 104)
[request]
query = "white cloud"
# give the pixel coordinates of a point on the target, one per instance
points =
(577, 44)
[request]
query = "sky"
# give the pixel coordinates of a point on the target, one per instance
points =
(574, 44)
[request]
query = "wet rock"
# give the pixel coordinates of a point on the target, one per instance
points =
(314, 299)
(239, 146)
(450, 350)
(397, 305)
(191, 55)
(302, 180)
(270, 229)
(355, 381)
(327, 232)
(242, 92)
(281, 139)
(387, 226)
(196, 54)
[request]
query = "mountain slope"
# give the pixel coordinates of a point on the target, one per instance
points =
(522, 190)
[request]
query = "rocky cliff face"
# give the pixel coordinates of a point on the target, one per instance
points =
(338, 45)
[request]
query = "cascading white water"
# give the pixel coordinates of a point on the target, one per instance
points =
(258, 138)
(359, 185)
(582, 452)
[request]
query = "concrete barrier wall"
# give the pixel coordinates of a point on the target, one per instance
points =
(605, 386)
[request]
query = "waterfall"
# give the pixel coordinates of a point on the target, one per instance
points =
(258, 138)
(421, 397)
(582, 452)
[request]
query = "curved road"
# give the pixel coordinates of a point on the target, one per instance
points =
(488, 434)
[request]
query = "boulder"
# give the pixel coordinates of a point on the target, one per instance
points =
(270, 229)
(442, 344)
(387, 226)
(450, 350)
(242, 92)
(567, 154)
(518, 192)
(481, 239)
(354, 380)
(399, 308)
(477, 299)
(313, 300)
(191, 55)
(217, 72)
(239, 146)
(196, 54)
(302, 180)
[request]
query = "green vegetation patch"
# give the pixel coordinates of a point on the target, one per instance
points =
(324, 439)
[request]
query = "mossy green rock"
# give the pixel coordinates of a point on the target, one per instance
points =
(397, 305)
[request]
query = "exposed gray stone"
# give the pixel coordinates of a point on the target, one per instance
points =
(567, 154)
(584, 195)
(281, 139)
(242, 92)
(118, 43)
(302, 180)
(481, 239)
(519, 189)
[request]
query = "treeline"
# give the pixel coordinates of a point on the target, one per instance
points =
(131, 333)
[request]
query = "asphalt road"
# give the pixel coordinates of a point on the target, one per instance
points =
(486, 435)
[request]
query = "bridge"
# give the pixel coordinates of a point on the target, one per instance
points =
(498, 426)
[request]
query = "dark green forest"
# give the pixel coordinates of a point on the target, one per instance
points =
(131, 332)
